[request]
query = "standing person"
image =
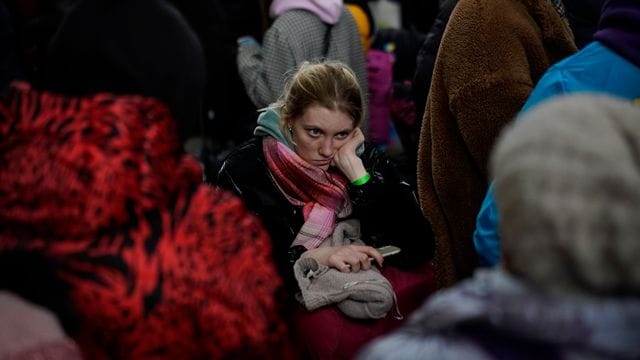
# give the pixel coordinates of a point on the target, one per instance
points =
(491, 55)
(306, 172)
(609, 65)
(303, 30)
(583, 19)
(568, 178)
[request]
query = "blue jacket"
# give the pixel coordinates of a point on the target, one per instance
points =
(595, 69)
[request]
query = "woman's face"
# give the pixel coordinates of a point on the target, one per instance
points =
(319, 133)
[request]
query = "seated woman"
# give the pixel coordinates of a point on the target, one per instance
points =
(308, 169)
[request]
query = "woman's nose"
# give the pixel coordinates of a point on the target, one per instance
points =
(326, 148)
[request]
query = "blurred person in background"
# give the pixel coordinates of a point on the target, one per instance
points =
(492, 54)
(143, 47)
(609, 65)
(154, 263)
(568, 185)
(302, 30)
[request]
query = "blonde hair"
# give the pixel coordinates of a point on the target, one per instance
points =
(329, 84)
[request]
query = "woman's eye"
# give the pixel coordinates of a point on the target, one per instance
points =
(314, 132)
(342, 135)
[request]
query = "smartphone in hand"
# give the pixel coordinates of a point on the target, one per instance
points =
(388, 250)
(385, 251)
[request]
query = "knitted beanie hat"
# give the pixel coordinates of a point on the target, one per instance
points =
(567, 185)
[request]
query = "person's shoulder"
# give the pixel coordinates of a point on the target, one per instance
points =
(499, 12)
(296, 16)
(587, 69)
(243, 162)
(484, 21)
(294, 26)
(244, 167)
(245, 155)
(482, 8)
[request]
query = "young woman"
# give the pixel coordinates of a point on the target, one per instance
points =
(308, 168)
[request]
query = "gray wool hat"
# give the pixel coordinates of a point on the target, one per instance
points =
(567, 186)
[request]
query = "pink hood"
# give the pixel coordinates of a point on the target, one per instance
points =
(328, 10)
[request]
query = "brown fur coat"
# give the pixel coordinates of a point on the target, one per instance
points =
(492, 54)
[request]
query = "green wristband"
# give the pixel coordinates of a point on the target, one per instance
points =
(361, 181)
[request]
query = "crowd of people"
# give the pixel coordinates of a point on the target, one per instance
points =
(293, 179)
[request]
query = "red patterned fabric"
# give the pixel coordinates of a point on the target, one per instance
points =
(322, 194)
(159, 265)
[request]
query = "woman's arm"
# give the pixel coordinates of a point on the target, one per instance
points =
(388, 209)
(386, 204)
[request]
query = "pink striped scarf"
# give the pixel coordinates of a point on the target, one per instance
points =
(322, 194)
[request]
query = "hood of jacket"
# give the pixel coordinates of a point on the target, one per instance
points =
(328, 10)
(269, 125)
(619, 28)
(76, 166)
